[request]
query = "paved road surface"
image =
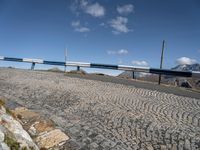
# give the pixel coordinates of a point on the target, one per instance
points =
(139, 84)
(105, 115)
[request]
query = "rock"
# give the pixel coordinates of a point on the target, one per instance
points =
(150, 147)
(4, 146)
(163, 147)
(108, 144)
(93, 145)
(186, 84)
(187, 144)
(40, 127)
(1, 136)
(52, 139)
(14, 128)
(24, 113)
(2, 110)
(99, 138)
(27, 117)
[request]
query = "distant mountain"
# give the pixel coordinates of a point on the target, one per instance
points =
(186, 82)
(129, 74)
(166, 79)
(193, 67)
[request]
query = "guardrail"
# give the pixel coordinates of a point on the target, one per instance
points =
(105, 66)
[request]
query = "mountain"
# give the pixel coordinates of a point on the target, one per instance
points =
(193, 67)
(129, 74)
(171, 80)
(187, 82)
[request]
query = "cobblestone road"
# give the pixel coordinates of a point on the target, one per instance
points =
(99, 115)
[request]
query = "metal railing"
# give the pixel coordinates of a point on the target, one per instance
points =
(105, 66)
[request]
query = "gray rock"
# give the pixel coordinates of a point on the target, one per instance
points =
(16, 131)
(1, 136)
(4, 146)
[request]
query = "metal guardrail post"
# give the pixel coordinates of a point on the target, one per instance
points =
(78, 68)
(133, 75)
(33, 66)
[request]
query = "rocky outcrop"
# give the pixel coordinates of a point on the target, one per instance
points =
(45, 134)
(22, 129)
(12, 134)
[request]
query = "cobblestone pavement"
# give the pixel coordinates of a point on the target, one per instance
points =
(99, 115)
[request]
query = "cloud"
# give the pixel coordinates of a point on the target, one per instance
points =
(140, 63)
(185, 61)
(119, 25)
(96, 10)
(111, 52)
(78, 28)
(123, 51)
(83, 3)
(75, 23)
(82, 29)
(102, 24)
(119, 52)
(125, 9)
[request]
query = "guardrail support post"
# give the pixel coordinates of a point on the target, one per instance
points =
(133, 75)
(78, 68)
(33, 66)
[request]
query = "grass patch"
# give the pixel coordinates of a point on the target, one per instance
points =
(2, 102)
(80, 72)
(9, 112)
(12, 143)
(24, 148)
(43, 148)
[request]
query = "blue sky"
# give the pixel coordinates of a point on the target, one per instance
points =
(128, 32)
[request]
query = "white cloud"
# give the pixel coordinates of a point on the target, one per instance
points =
(120, 25)
(125, 9)
(111, 52)
(78, 28)
(96, 10)
(185, 61)
(82, 29)
(83, 3)
(123, 51)
(140, 63)
(75, 23)
(102, 24)
(119, 52)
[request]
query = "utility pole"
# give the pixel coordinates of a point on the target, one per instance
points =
(65, 58)
(161, 60)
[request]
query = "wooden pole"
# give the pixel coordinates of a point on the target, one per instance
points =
(161, 60)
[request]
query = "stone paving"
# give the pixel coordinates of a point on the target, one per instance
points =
(99, 115)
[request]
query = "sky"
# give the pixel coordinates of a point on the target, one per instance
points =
(121, 32)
